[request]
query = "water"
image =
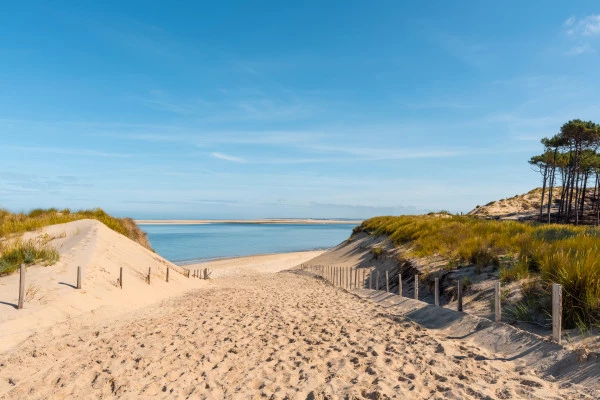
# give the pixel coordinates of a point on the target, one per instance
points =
(188, 243)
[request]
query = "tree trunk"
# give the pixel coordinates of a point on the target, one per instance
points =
(543, 192)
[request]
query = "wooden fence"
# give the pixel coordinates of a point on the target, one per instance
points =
(342, 277)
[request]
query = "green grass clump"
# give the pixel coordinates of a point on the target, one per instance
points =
(19, 223)
(568, 255)
(377, 252)
(514, 272)
(15, 253)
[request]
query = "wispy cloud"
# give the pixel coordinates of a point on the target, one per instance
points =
(577, 50)
(227, 157)
(586, 26)
(582, 31)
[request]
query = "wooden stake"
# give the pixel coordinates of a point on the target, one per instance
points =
(356, 278)
(149, 272)
(167, 274)
(363, 278)
(399, 284)
(556, 312)
(387, 282)
(460, 294)
(121, 277)
(437, 292)
(416, 287)
(377, 281)
(497, 302)
(78, 277)
(21, 287)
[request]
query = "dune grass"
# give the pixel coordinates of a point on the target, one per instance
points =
(568, 255)
(14, 251)
(25, 222)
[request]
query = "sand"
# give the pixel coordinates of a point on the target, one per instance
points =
(245, 221)
(100, 252)
(255, 330)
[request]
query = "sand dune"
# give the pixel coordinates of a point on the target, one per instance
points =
(100, 252)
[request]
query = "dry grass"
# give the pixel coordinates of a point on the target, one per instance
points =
(17, 252)
(11, 223)
(568, 255)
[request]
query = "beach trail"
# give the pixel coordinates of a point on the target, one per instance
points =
(283, 335)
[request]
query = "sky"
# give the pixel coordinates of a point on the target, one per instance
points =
(336, 109)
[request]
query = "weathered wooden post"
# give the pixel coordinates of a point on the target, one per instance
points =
(416, 286)
(149, 273)
(167, 274)
(363, 278)
(356, 278)
(377, 280)
(437, 292)
(556, 312)
(399, 283)
(460, 295)
(497, 302)
(78, 277)
(349, 278)
(121, 277)
(387, 282)
(205, 273)
(21, 287)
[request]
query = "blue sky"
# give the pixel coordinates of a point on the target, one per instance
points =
(286, 109)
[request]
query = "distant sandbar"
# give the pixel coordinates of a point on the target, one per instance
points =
(244, 221)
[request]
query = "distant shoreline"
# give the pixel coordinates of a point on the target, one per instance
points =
(245, 221)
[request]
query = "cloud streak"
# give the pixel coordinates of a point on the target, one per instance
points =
(227, 157)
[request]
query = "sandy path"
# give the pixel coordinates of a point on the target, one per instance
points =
(277, 336)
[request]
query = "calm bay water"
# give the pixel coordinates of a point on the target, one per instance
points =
(188, 243)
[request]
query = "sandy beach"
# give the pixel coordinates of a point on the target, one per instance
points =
(258, 328)
(244, 221)
(275, 335)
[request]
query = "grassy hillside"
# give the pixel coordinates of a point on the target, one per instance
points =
(14, 251)
(543, 253)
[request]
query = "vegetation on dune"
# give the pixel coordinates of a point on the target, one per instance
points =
(14, 251)
(568, 255)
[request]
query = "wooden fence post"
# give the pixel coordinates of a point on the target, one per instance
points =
(437, 292)
(355, 278)
(78, 277)
(149, 273)
(416, 286)
(556, 312)
(21, 287)
(387, 282)
(371, 273)
(349, 278)
(121, 277)
(167, 274)
(497, 302)
(399, 284)
(460, 295)
(377, 281)
(363, 279)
